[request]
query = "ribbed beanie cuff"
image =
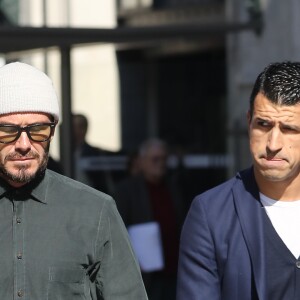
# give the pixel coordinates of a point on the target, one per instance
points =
(24, 88)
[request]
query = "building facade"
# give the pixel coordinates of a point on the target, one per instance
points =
(191, 90)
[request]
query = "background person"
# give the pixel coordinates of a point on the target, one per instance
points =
(152, 196)
(241, 240)
(60, 239)
(54, 165)
(100, 179)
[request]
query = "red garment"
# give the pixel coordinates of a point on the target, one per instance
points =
(164, 214)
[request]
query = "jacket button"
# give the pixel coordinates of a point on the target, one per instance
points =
(298, 264)
(20, 293)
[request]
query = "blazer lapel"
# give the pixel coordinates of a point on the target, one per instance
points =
(250, 213)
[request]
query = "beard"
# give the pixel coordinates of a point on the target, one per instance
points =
(21, 175)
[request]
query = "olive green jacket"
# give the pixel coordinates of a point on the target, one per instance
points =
(60, 239)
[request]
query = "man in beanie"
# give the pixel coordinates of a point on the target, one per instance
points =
(59, 239)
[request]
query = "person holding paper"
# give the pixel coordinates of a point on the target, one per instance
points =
(153, 210)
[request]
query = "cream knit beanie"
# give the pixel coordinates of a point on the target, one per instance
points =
(24, 88)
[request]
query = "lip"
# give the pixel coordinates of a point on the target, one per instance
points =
(22, 159)
(273, 162)
(274, 159)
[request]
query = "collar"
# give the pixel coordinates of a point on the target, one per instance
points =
(37, 189)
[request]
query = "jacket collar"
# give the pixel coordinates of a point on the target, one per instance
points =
(250, 212)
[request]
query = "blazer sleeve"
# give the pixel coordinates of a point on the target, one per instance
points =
(198, 276)
(118, 275)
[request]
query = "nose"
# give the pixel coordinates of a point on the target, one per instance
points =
(23, 144)
(275, 142)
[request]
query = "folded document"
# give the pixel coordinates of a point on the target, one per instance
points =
(146, 242)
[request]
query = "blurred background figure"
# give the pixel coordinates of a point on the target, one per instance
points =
(133, 164)
(83, 151)
(152, 196)
(55, 165)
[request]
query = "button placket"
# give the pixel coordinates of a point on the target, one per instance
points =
(18, 236)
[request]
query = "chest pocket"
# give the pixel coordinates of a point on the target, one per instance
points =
(66, 283)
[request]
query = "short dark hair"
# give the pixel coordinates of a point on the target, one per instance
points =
(280, 83)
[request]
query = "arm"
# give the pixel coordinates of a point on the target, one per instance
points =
(118, 277)
(198, 273)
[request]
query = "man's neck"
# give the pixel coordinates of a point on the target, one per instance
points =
(153, 180)
(280, 190)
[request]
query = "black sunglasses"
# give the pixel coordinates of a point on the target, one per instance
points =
(40, 132)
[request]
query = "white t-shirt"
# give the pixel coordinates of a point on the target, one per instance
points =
(285, 217)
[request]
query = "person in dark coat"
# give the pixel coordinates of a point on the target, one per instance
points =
(152, 196)
(99, 178)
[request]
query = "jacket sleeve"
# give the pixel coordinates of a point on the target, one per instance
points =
(118, 276)
(198, 276)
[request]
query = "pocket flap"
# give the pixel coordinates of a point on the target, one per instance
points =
(68, 275)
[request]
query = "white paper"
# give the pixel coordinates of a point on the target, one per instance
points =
(146, 242)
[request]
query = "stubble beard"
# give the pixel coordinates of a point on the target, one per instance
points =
(22, 175)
